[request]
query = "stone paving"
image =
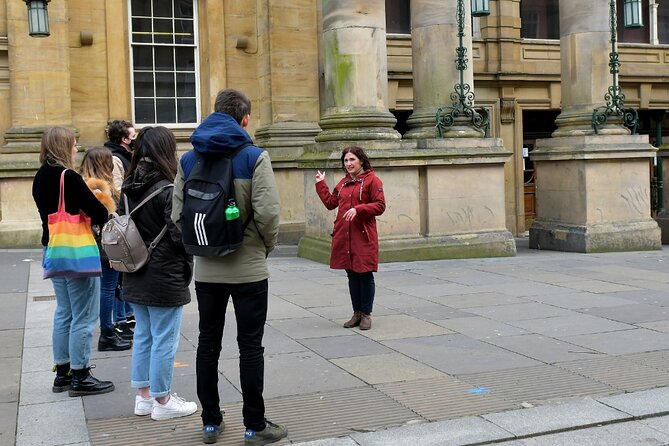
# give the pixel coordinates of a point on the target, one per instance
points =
(536, 349)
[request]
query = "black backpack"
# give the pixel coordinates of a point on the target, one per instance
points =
(208, 190)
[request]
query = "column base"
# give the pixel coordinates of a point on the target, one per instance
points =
(358, 125)
(456, 246)
(21, 234)
(662, 220)
(605, 237)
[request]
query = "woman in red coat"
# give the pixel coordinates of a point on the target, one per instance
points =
(355, 243)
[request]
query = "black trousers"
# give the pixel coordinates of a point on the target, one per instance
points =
(362, 289)
(250, 302)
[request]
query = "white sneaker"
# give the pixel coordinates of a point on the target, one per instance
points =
(143, 406)
(174, 408)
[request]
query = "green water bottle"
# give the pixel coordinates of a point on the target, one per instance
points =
(232, 211)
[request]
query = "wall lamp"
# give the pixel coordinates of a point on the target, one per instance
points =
(38, 18)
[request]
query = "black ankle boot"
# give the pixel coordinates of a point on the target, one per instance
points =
(124, 330)
(63, 378)
(83, 383)
(111, 341)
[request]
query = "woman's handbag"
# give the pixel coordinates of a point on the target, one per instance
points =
(72, 251)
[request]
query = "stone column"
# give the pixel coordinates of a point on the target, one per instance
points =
(585, 44)
(39, 78)
(593, 191)
(355, 70)
(434, 70)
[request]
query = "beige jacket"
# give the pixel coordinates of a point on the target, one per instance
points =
(258, 195)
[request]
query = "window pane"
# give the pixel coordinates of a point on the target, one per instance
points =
(163, 31)
(186, 110)
(140, 7)
(183, 9)
(185, 58)
(164, 58)
(162, 8)
(663, 22)
(165, 85)
(185, 84)
(633, 35)
(143, 84)
(144, 113)
(184, 32)
(398, 17)
(142, 58)
(166, 110)
(141, 30)
(540, 19)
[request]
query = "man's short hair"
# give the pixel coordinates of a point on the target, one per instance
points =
(118, 129)
(234, 103)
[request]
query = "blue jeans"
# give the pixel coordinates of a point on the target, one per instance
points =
(154, 346)
(77, 309)
(362, 289)
(250, 302)
(108, 283)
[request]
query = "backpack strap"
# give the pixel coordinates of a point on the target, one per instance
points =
(162, 232)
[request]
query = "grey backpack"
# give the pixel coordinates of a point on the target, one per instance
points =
(123, 243)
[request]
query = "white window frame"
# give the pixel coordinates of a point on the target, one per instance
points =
(195, 46)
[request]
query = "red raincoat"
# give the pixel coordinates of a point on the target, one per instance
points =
(355, 244)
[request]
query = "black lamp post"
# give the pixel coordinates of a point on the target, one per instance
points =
(615, 99)
(38, 18)
(463, 96)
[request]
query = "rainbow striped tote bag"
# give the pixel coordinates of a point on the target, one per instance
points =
(72, 251)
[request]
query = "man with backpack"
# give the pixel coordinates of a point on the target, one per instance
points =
(239, 271)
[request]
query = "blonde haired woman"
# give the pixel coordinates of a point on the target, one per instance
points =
(97, 170)
(77, 298)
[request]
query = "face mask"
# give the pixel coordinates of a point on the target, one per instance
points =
(131, 144)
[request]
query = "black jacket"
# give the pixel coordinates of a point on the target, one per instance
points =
(164, 280)
(120, 152)
(78, 197)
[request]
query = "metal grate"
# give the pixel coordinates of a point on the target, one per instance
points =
(536, 384)
(619, 372)
(658, 359)
(44, 298)
(444, 398)
(308, 417)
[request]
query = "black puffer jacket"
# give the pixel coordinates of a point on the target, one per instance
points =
(164, 280)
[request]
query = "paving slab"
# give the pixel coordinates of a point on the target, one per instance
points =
(434, 312)
(278, 308)
(569, 325)
(477, 300)
(423, 290)
(580, 300)
(295, 374)
(479, 327)
(542, 348)
(623, 434)
(64, 422)
(442, 433)
(456, 354)
(13, 310)
(632, 314)
(11, 343)
(309, 327)
(555, 417)
(519, 312)
(598, 286)
(401, 326)
(622, 342)
(344, 346)
(520, 288)
(384, 368)
(641, 403)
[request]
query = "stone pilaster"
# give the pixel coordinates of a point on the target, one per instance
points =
(39, 97)
(434, 70)
(355, 69)
(585, 44)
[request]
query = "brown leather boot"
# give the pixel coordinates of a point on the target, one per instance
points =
(366, 322)
(354, 321)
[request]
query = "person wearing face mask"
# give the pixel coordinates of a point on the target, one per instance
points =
(122, 137)
(360, 199)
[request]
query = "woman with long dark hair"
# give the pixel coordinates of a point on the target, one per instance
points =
(355, 245)
(159, 290)
(77, 298)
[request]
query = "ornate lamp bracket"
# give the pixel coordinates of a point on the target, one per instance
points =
(615, 99)
(462, 97)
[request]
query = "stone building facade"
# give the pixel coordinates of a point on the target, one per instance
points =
(323, 74)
